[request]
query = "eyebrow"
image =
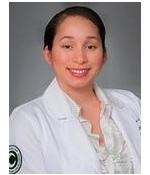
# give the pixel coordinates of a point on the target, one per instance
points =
(66, 37)
(88, 37)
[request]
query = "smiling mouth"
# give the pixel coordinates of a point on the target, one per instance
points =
(79, 72)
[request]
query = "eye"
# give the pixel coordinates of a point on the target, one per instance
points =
(67, 46)
(91, 47)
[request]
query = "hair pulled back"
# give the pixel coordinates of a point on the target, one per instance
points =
(86, 12)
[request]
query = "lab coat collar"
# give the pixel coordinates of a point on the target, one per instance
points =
(102, 94)
(54, 96)
(113, 99)
(76, 109)
(53, 99)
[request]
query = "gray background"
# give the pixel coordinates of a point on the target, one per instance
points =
(30, 75)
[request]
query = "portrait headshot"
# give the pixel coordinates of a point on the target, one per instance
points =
(74, 87)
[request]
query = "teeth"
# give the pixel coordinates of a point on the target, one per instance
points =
(75, 71)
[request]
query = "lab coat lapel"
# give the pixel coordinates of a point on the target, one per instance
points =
(127, 123)
(78, 154)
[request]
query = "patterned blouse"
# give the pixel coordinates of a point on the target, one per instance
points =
(114, 156)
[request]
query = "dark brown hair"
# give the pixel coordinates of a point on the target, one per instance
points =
(86, 12)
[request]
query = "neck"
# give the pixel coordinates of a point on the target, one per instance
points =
(81, 96)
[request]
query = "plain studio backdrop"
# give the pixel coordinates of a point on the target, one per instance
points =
(30, 75)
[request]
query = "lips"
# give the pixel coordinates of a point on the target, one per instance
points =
(78, 72)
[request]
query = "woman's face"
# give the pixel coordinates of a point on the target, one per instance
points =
(77, 55)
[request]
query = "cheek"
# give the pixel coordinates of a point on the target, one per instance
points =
(98, 60)
(58, 59)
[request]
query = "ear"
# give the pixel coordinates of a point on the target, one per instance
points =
(104, 57)
(47, 55)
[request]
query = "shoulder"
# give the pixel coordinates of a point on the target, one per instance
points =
(27, 112)
(121, 94)
(25, 123)
(123, 97)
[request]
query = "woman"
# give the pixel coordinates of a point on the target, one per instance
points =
(75, 126)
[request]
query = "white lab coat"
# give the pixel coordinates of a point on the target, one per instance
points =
(51, 138)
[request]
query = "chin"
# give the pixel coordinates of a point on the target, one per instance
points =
(80, 84)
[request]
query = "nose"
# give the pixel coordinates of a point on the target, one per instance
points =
(80, 57)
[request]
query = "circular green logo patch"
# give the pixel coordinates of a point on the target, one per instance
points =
(15, 159)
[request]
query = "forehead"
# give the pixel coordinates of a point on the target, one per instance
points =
(77, 25)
